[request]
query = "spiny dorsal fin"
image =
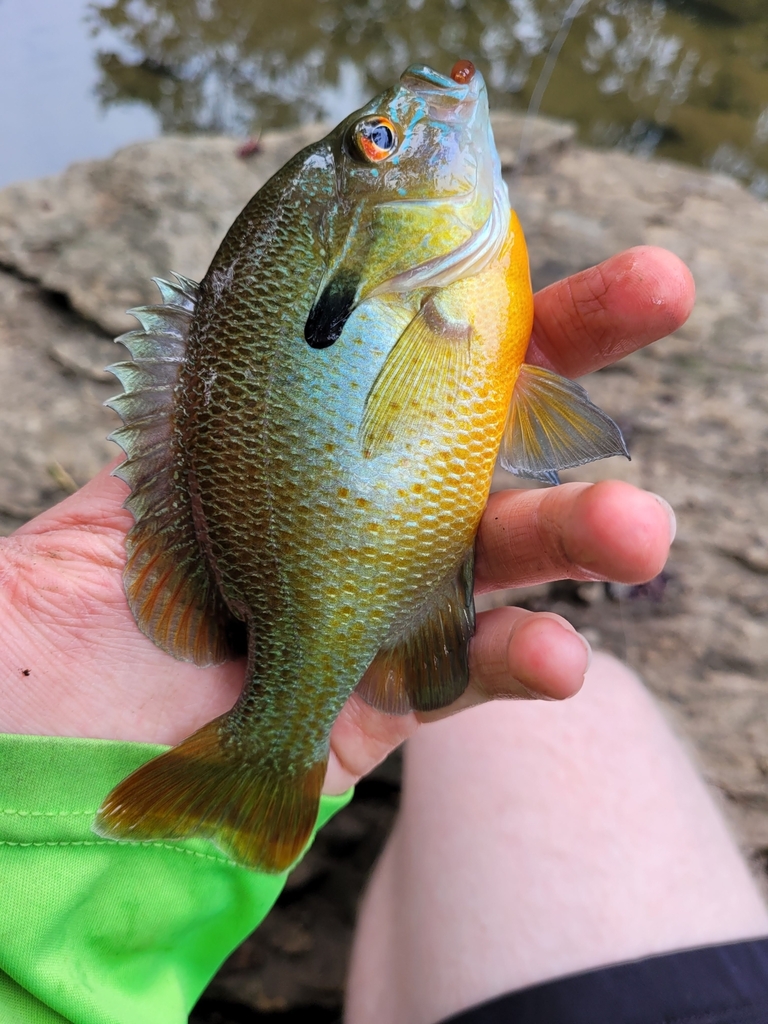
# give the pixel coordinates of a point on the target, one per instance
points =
(428, 666)
(417, 381)
(553, 425)
(173, 599)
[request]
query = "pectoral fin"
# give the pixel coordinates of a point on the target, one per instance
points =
(553, 425)
(418, 381)
(426, 667)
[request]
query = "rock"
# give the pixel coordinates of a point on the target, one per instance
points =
(754, 557)
(591, 593)
(540, 137)
(84, 359)
(53, 425)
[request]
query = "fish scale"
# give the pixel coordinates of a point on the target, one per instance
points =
(310, 437)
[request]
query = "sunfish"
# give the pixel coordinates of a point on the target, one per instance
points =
(310, 436)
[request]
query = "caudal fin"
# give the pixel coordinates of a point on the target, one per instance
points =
(259, 816)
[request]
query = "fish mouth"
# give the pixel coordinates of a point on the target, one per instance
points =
(447, 99)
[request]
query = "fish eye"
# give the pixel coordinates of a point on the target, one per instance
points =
(373, 139)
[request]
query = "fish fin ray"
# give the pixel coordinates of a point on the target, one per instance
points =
(553, 425)
(427, 667)
(183, 294)
(259, 815)
(168, 585)
(416, 382)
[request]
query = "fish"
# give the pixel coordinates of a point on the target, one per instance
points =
(310, 434)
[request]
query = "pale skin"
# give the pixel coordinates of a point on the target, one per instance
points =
(539, 840)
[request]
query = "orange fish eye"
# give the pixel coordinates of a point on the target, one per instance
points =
(374, 139)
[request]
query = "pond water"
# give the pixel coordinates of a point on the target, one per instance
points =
(685, 79)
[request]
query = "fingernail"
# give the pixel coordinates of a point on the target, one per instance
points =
(565, 624)
(588, 648)
(670, 513)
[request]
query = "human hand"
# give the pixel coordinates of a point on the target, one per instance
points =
(73, 662)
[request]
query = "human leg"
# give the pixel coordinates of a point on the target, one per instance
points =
(536, 840)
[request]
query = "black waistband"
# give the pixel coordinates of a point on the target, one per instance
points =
(725, 984)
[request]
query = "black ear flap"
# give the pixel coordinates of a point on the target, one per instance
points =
(331, 310)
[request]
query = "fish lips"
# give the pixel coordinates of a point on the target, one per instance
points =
(446, 99)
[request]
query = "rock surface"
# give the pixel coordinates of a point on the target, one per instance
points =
(52, 424)
(80, 248)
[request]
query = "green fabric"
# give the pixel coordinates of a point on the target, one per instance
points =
(98, 932)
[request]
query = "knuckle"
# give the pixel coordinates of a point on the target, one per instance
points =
(588, 299)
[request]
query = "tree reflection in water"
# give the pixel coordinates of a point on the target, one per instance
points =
(688, 79)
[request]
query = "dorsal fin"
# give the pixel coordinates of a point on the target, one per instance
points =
(167, 582)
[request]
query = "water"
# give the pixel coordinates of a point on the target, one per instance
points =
(685, 79)
(49, 111)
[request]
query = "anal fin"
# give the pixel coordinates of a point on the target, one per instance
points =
(427, 666)
(553, 425)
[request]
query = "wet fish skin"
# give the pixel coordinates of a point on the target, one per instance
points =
(334, 408)
(352, 546)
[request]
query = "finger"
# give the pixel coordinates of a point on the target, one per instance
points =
(609, 530)
(362, 737)
(601, 314)
(522, 655)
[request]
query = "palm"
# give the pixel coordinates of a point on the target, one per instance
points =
(76, 664)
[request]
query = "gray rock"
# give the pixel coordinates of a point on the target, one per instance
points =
(529, 141)
(52, 422)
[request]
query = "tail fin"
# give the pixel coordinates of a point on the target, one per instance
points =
(259, 816)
